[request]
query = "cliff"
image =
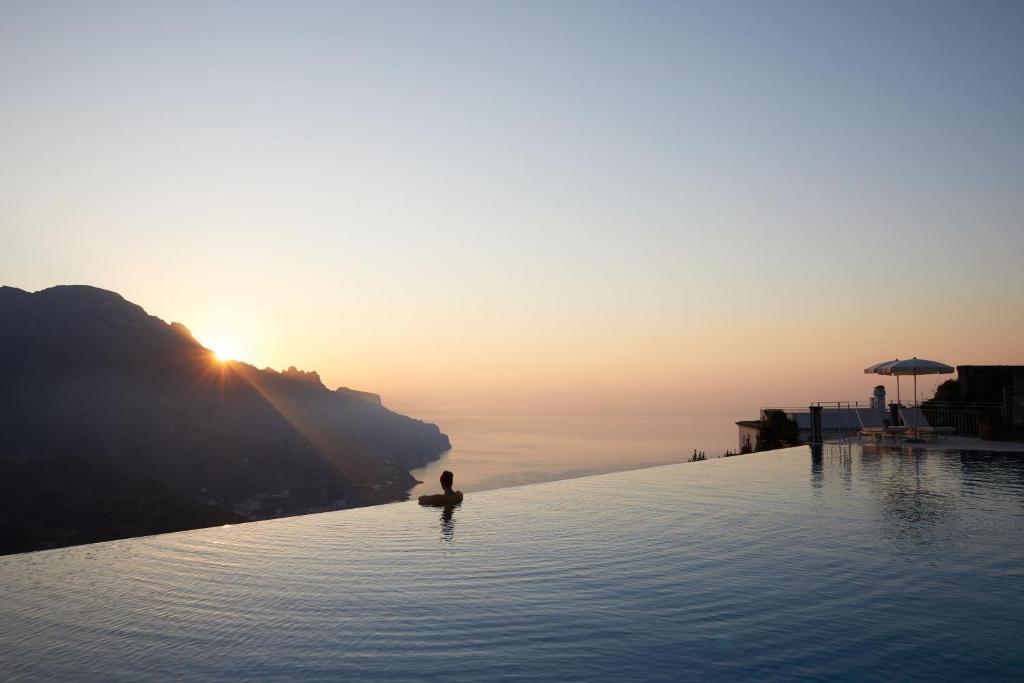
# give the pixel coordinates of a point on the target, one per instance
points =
(92, 384)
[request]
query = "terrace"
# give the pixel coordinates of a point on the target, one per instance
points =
(983, 409)
(958, 425)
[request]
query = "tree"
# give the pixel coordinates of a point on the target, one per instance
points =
(947, 392)
(777, 431)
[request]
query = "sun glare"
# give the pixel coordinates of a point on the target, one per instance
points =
(223, 349)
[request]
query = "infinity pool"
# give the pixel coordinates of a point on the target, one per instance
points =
(860, 564)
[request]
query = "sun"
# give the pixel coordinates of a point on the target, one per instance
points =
(223, 349)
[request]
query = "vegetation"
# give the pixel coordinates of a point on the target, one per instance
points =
(777, 431)
(947, 392)
(697, 456)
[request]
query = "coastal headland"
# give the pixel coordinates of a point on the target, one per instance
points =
(114, 423)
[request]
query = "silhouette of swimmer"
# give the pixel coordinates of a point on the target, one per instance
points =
(448, 497)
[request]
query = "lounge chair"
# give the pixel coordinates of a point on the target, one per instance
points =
(914, 420)
(871, 425)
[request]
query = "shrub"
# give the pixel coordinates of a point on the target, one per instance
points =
(777, 431)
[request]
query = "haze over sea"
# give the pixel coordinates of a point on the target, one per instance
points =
(495, 450)
(543, 204)
(546, 437)
(551, 437)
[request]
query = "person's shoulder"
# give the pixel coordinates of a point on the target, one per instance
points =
(441, 498)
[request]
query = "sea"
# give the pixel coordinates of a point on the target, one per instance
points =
(497, 450)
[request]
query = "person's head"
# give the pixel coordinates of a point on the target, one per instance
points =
(447, 479)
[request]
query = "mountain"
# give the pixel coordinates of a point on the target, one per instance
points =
(114, 423)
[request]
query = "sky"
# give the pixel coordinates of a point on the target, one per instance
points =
(615, 207)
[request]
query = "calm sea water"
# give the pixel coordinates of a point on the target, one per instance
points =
(498, 451)
(858, 565)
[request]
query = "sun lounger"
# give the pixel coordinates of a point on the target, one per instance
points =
(914, 420)
(871, 425)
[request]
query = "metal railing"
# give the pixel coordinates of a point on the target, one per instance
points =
(845, 425)
(826, 405)
(1013, 409)
(962, 417)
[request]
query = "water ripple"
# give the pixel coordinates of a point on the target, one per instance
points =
(874, 566)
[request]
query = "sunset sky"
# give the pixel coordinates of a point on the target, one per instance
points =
(550, 206)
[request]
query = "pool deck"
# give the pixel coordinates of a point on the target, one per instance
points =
(952, 443)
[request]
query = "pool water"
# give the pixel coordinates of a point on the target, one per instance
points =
(859, 564)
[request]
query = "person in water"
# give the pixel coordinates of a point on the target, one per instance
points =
(448, 497)
(447, 481)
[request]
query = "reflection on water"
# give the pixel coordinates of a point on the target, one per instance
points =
(857, 565)
(448, 522)
(840, 460)
(817, 466)
(914, 508)
(923, 497)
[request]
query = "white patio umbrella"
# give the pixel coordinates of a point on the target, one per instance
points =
(913, 366)
(881, 368)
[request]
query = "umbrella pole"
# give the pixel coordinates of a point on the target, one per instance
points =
(915, 402)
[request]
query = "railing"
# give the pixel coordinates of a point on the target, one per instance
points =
(1013, 409)
(843, 421)
(962, 417)
(826, 405)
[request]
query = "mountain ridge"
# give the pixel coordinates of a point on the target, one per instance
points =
(91, 380)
